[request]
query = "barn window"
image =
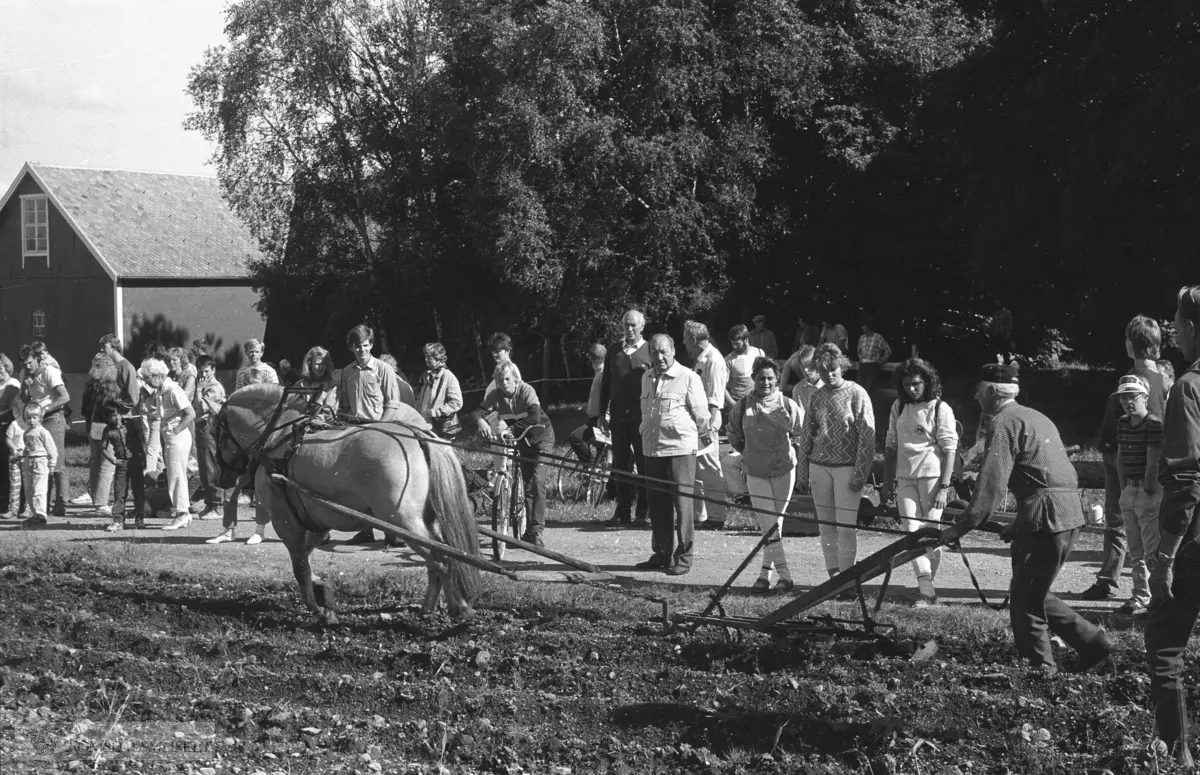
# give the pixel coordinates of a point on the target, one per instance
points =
(35, 228)
(39, 323)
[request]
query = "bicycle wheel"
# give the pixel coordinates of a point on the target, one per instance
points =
(559, 487)
(501, 512)
(596, 482)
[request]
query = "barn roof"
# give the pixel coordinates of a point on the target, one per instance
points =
(149, 225)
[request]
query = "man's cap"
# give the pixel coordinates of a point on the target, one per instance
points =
(1131, 384)
(1000, 373)
(757, 318)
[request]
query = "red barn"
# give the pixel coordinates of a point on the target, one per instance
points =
(152, 256)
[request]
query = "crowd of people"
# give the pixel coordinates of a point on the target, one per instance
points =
(663, 420)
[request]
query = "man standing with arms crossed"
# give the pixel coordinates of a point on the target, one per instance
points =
(620, 394)
(710, 481)
(1175, 577)
(129, 401)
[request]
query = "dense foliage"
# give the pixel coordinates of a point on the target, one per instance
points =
(444, 168)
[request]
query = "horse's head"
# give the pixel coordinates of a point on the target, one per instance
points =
(244, 425)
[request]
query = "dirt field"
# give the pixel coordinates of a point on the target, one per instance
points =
(154, 652)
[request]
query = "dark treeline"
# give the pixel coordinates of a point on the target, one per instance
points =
(446, 168)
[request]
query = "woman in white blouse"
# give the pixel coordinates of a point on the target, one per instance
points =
(176, 416)
(922, 441)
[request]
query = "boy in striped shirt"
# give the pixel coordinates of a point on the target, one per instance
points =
(1139, 446)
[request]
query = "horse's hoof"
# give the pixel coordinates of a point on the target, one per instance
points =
(465, 615)
(323, 595)
(330, 619)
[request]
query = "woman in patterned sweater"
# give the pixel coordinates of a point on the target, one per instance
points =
(834, 456)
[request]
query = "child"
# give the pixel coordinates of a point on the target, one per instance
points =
(115, 450)
(37, 461)
(15, 439)
(158, 498)
(1139, 446)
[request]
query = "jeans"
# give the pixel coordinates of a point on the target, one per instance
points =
(14, 484)
(1140, 511)
(710, 485)
(914, 501)
(868, 375)
(584, 443)
(35, 471)
(772, 494)
(671, 529)
(135, 466)
(100, 474)
(56, 423)
(626, 453)
(1036, 560)
(1112, 557)
(206, 460)
(1170, 623)
(533, 473)
(837, 508)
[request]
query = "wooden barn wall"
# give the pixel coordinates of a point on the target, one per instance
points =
(178, 315)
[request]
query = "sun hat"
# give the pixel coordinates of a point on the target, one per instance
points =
(1131, 384)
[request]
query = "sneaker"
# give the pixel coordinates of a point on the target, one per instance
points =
(225, 537)
(6, 515)
(784, 586)
(1101, 590)
(211, 511)
(114, 527)
(59, 510)
(104, 511)
(533, 538)
(180, 521)
(616, 522)
(139, 523)
(254, 540)
(1131, 608)
(678, 570)
(1094, 653)
(761, 585)
(640, 522)
(82, 500)
(925, 601)
(34, 521)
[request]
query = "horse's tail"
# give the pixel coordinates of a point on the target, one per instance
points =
(452, 508)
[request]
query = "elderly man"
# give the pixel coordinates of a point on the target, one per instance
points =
(1025, 455)
(710, 481)
(763, 338)
(42, 384)
(368, 390)
(1175, 579)
(675, 416)
(620, 391)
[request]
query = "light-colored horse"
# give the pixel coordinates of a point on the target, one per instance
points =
(386, 469)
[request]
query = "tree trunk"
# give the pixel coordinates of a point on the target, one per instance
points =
(562, 348)
(545, 365)
(479, 349)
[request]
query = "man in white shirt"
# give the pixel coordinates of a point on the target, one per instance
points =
(714, 375)
(674, 419)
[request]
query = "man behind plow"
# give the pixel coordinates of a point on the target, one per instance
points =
(1025, 454)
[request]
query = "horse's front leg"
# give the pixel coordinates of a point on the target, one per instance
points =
(434, 589)
(304, 580)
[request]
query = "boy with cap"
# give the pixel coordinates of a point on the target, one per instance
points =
(1139, 445)
(763, 338)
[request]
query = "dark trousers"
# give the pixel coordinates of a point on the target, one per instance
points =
(671, 528)
(626, 453)
(1112, 555)
(868, 375)
(1036, 560)
(206, 458)
(134, 472)
(1170, 623)
(4, 491)
(583, 442)
(533, 473)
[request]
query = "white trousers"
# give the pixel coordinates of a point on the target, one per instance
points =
(837, 508)
(176, 448)
(914, 501)
(771, 494)
(35, 472)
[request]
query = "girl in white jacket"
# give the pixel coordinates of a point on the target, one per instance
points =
(922, 441)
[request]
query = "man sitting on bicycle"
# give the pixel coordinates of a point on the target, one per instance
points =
(517, 405)
(586, 440)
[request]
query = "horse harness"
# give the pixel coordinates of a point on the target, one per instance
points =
(318, 417)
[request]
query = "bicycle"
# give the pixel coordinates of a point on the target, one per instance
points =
(508, 493)
(591, 478)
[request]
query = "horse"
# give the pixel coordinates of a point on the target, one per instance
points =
(388, 470)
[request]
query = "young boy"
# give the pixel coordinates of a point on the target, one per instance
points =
(15, 439)
(115, 450)
(37, 461)
(1139, 446)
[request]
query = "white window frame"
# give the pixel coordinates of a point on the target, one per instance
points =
(39, 324)
(25, 225)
